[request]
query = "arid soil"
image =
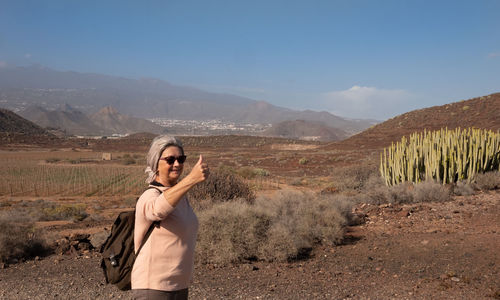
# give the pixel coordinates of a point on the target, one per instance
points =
(445, 250)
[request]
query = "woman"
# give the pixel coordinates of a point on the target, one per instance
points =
(164, 266)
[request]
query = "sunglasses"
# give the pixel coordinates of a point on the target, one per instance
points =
(171, 159)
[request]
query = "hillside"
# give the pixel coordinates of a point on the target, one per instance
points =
(111, 122)
(13, 123)
(306, 130)
(107, 121)
(482, 112)
(69, 120)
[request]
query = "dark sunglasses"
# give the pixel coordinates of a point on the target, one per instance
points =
(171, 159)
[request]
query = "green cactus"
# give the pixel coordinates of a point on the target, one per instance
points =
(443, 155)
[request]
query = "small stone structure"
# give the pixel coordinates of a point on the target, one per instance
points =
(106, 156)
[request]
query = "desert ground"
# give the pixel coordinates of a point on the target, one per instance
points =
(422, 250)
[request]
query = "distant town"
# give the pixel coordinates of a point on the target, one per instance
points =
(195, 127)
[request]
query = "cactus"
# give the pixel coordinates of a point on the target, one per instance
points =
(444, 155)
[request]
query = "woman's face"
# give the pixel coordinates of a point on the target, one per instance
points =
(169, 174)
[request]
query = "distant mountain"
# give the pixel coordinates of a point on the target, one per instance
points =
(105, 122)
(22, 87)
(482, 112)
(13, 123)
(68, 119)
(114, 122)
(306, 130)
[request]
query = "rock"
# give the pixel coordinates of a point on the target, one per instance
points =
(456, 279)
(403, 213)
(79, 236)
(357, 219)
(97, 239)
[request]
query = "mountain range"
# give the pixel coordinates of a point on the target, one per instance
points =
(107, 121)
(24, 87)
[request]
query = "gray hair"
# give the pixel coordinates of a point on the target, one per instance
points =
(159, 144)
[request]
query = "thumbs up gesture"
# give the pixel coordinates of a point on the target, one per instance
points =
(200, 171)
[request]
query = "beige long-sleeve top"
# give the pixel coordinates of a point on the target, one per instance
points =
(166, 260)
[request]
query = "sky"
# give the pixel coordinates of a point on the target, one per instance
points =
(355, 59)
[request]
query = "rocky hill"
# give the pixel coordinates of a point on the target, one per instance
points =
(482, 112)
(13, 123)
(107, 121)
(306, 130)
(67, 119)
(111, 122)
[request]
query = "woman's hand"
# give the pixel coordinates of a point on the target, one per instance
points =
(200, 171)
(198, 174)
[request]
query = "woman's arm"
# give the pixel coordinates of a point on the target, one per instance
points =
(198, 174)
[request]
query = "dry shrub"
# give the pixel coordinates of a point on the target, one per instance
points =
(431, 191)
(462, 188)
(376, 192)
(250, 173)
(19, 241)
(74, 212)
(41, 210)
(353, 178)
(278, 228)
(230, 232)
(488, 181)
(404, 193)
(222, 186)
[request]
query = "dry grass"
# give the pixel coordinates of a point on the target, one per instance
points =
(41, 210)
(278, 228)
(19, 241)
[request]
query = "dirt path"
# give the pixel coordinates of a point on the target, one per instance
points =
(423, 251)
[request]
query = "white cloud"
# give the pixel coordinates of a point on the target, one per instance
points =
(369, 102)
(27, 55)
(494, 54)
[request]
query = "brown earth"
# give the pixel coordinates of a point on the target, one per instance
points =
(420, 251)
(482, 112)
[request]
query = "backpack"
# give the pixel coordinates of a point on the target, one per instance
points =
(118, 255)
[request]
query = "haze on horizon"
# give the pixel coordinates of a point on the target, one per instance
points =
(355, 59)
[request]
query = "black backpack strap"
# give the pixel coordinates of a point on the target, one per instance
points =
(151, 227)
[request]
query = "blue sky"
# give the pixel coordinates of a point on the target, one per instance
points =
(357, 59)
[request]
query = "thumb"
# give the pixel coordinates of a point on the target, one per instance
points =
(200, 161)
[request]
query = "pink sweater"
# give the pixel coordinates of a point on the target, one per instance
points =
(166, 260)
